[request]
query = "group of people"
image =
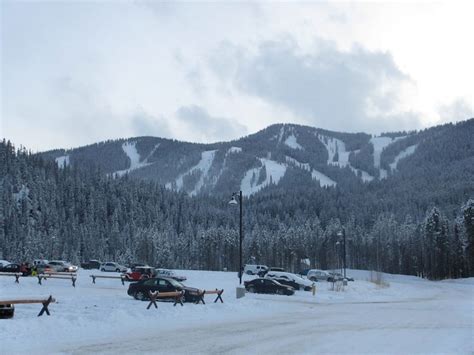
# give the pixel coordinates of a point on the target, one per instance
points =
(28, 269)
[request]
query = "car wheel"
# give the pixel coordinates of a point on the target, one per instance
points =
(279, 291)
(102, 269)
(252, 289)
(249, 272)
(312, 278)
(117, 270)
(139, 296)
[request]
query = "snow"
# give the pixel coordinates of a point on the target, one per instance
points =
(207, 158)
(334, 145)
(379, 144)
(293, 161)
(275, 172)
(62, 161)
(403, 154)
(282, 132)
(130, 150)
(233, 150)
(324, 181)
(292, 143)
(410, 316)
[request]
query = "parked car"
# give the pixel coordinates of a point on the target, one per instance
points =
(273, 268)
(139, 290)
(140, 272)
(304, 272)
(7, 311)
(339, 277)
(170, 274)
(4, 263)
(11, 268)
(319, 275)
(289, 279)
(113, 266)
(91, 264)
(262, 285)
(62, 266)
(251, 269)
(39, 262)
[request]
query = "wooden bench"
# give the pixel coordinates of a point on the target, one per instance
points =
(15, 274)
(210, 292)
(45, 303)
(73, 278)
(121, 277)
(175, 295)
(60, 273)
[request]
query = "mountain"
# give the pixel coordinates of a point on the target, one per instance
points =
(304, 187)
(318, 157)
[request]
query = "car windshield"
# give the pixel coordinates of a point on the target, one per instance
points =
(175, 283)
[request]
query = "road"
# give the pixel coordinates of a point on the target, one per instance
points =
(440, 322)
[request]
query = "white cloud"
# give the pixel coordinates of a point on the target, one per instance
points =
(75, 73)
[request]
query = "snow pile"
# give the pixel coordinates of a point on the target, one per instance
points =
(403, 154)
(62, 161)
(292, 143)
(274, 172)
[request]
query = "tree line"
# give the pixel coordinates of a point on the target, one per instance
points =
(80, 214)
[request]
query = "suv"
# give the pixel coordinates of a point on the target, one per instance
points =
(112, 266)
(250, 269)
(60, 265)
(91, 264)
(319, 275)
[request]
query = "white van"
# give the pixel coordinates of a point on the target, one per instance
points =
(251, 269)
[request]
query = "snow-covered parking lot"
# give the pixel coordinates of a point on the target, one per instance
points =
(411, 315)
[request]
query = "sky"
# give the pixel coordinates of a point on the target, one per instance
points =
(75, 73)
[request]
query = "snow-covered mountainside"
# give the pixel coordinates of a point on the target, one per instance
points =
(274, 156)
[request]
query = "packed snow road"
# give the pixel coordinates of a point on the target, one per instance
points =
(409, 316)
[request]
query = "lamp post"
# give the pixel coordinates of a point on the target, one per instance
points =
(343, 235)
(237, 199)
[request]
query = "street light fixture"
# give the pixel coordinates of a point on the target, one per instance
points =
(237, 200)
(343, 235)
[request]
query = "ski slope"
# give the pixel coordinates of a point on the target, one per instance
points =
(403, 154)
(207, 158)
(410, 316)
(130, 150)
(333, 146)
(62, 161)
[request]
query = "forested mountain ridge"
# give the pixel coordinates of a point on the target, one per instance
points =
(254, 162)
(419, 220)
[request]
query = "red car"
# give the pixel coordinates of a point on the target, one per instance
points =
(140, 273)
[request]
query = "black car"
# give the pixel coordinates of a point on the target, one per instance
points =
(139, 290)
(91, 264)
(11, 268)
(7, 311)
(262, 285)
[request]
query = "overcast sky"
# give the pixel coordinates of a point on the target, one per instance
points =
(74, 73)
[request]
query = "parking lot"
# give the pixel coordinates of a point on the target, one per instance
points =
(102, 317)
